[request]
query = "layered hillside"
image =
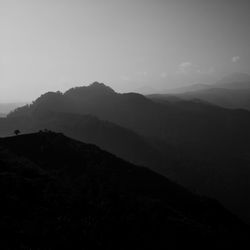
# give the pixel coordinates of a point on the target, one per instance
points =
(202, 146)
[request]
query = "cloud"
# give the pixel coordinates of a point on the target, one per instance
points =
(235, 59)
(185, 67)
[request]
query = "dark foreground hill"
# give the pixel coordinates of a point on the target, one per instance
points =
(57, 193)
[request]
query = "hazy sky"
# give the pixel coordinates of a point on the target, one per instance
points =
(129, 45)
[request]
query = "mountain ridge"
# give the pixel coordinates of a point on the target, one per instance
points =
(199, 145)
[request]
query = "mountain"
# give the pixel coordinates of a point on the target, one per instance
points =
(231, 81)
(5, 108)
(228, 98)
(130, 110)
(144, 116)
(189, 88)
(58, 193)
(232, 91)
(202, 146)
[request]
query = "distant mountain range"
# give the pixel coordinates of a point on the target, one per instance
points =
(5, 108)
(233, 91)
(202, 146)
(235, 81)
(58, 193)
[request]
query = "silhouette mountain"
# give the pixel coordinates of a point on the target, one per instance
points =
(57, 193)
(98, 100)
(202, 146)
(144, 116)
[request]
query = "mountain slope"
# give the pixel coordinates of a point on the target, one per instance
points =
(112, 138)
(58, 193)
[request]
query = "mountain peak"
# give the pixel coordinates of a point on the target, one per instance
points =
(100, 86)
(94, 89)
(96, 84)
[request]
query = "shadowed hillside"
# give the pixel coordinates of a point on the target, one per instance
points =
(63, 194)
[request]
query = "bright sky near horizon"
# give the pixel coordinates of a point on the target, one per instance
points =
(132, 45)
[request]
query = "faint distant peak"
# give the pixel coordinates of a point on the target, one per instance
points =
(189, 88)
(235, 77)
(234, 81)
